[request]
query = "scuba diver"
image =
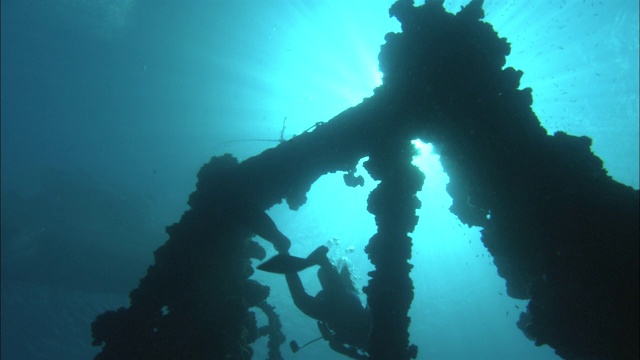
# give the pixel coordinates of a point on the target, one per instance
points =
(342, 319)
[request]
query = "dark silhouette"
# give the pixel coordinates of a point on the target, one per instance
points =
(561, 231)
(262, 225)
(342, 319)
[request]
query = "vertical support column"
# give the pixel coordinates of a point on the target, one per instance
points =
(390, 290)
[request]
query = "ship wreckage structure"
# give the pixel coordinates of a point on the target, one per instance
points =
(562, 233)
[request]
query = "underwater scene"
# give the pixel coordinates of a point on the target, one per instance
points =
(335, 179)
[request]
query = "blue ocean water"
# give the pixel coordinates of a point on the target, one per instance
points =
(109, 108)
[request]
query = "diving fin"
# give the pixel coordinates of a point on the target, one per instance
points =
(285, 264)
(319, 256)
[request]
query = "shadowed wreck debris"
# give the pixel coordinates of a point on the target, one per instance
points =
(562, 232)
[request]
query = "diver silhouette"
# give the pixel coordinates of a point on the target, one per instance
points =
(342, 320)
